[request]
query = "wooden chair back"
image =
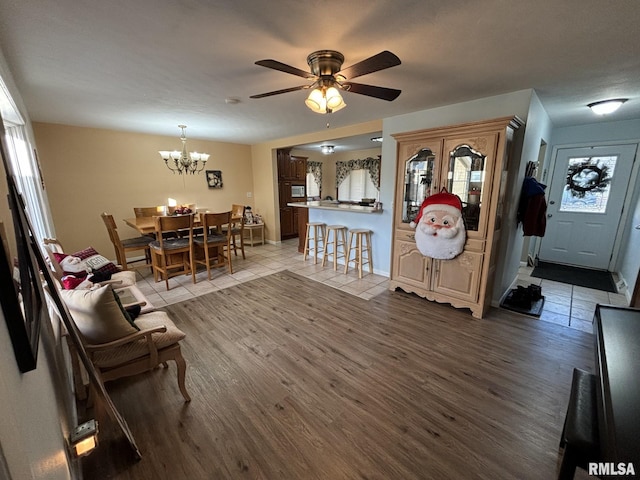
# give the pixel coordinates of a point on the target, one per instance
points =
(217, 236)
(112, 228)
(237, 212)
(237, 228)
(149, 211)
(165, 250)
(121, 247)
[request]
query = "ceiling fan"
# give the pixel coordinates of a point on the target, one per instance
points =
(328, 78)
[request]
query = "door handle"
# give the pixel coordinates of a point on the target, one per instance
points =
(549, 215)
(552, 202)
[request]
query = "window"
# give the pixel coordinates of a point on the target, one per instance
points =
(23, 161)
(356, 186)
(314, 179)
(313, 189)
(358, 179)
(587, 185)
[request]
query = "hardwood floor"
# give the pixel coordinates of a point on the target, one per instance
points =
(292, 379)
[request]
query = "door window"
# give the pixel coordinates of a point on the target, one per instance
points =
(588, 183)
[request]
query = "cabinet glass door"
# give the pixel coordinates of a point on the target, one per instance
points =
(419, 175)
(466, 178)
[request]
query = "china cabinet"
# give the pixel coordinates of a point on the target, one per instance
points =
(470, 161)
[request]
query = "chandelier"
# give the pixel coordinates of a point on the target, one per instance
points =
(183, 162)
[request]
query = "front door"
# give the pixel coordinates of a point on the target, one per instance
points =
(585, 201)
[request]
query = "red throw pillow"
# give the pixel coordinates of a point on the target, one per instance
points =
(89, 261)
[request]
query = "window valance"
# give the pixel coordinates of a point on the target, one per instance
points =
(372, 165)
(315, 169)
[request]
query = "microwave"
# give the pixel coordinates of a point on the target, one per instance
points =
(297, 191)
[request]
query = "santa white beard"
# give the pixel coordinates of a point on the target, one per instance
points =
(441, 243)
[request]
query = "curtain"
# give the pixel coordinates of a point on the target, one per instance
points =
(372, 165)
(315, 169)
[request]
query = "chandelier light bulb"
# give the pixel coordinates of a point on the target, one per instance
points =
(181, 161)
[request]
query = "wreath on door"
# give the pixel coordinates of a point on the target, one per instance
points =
(586, 177)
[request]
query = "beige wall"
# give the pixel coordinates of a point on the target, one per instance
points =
(88, 171)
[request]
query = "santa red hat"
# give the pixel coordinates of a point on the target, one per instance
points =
(443, 201)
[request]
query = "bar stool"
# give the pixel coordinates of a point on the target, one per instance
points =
(359, 249)
(339, 240)
(315, 233)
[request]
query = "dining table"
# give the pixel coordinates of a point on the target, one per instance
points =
(146, 225)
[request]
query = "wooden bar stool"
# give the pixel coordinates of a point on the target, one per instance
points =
(359, 249)
(339, 240)
(315, 233)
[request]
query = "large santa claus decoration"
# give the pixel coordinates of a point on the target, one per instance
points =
(440, 231)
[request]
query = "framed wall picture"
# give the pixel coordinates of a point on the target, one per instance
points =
(214, 178)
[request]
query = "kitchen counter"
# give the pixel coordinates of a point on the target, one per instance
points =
(333, 205)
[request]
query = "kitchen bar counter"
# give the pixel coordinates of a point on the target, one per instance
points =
(332, 205)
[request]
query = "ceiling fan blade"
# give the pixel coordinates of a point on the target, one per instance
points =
(378, 62)
(283, 67)
(278, 92)
(383, 93)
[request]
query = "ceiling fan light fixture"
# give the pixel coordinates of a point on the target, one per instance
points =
(325, 100)
(334, 99)
(606, 107)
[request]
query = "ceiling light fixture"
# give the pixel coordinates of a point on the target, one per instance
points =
(606, 107)
(325, 99)
(193, 162)
(376, 139)
(327, 149)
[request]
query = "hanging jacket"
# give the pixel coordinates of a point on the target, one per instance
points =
(532, 210)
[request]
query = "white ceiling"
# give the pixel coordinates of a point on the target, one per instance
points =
(149, 65)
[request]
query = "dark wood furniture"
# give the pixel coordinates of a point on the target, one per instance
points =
(617, 337)
(580, 438)
(292, 171)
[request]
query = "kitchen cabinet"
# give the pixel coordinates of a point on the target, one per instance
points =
(292, 173)
(291, 167)
(470, 161)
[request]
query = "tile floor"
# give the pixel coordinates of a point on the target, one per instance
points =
(569, 305)
(261, 260)
(565, 304)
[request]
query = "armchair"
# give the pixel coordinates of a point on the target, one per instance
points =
(118, 346)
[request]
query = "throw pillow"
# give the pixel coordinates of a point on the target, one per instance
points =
(97, 314)
(85, 262)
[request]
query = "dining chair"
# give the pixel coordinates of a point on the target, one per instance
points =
(214, 237)
(149, 211)
(154, 212)
(191, 206)
(123, 246)
(173, 256)
(237, 228)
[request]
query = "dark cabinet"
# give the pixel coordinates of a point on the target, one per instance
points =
(292, 171)
(291, 167)
(287, 225)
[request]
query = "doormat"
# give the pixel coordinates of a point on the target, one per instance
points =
(582, 277)
(514, 303)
